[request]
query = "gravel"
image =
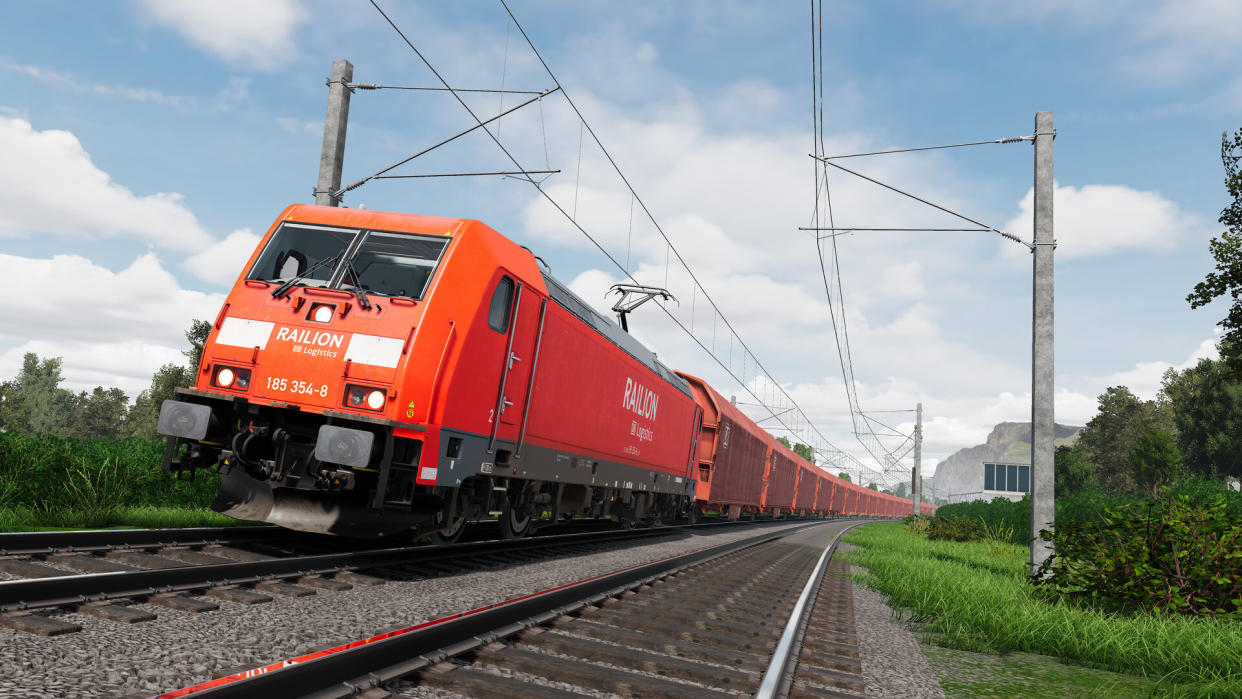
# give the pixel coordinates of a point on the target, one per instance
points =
(893, 664)
(107, 659)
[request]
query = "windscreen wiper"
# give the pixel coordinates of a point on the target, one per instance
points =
(284, 288)
(363, 302)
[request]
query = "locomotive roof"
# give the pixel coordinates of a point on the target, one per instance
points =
(417, 223)
(611, 331)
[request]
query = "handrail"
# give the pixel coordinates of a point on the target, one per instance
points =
(530, 384)
(432, 400)
(504, 373)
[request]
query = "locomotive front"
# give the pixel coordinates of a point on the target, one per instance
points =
(300, 379)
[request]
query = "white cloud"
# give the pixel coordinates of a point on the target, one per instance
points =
(221, 262)
(1162, 39)
(1185, 34)
(68, 298)
(235, 30)
(139, 94)
(48, 184)
(731, 201)
(1098, 218)
(125, 365)
(903, 281)
(1144, 378)
(112, 328)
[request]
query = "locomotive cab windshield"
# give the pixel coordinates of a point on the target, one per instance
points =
(373, 262)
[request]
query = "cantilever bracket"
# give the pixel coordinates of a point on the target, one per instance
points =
(633, 296)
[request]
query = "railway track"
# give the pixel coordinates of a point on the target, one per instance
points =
(189, 569)
(770, 615)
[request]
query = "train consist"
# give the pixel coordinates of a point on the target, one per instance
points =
(375, 373)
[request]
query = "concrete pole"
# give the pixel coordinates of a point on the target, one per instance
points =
(918, 458)
(332, 157)
(1042, 387)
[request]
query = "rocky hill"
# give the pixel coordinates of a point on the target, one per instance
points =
(1008, 442)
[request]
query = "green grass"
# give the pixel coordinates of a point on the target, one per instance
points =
(50, 482)
(971, 599)
(965, 674)
(26, 519)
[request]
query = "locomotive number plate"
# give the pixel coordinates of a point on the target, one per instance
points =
(296, 387)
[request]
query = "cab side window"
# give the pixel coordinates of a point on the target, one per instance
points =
(502, 301)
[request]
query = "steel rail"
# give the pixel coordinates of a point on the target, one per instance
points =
(348, 670)
(38, 593)
(17, 595)
(26, 543)
(778, 679)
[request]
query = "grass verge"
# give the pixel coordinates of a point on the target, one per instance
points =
(27, 519)
(971, 598)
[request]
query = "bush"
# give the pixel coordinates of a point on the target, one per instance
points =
(1000, 513)
(1086, 506)
(998, 538)
(1167, 555)
(954, 528)
(63, 481)
(964, 597)
(917, 524)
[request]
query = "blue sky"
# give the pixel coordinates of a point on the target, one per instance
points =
(144, 144)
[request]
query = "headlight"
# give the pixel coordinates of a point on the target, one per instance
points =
(322, 313)
(341, 445)
(365, 397)
(233, 378)
(375, 400)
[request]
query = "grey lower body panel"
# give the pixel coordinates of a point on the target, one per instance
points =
(540, 463)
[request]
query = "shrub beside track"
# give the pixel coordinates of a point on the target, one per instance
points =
(975, 600)
(51, 481)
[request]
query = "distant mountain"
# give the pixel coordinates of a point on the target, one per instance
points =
(1009, 442)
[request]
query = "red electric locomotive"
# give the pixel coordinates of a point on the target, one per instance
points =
(373, 373)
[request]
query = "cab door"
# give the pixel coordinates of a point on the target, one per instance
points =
(518, 362)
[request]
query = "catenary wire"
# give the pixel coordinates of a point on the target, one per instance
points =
(658, 228)
(1012, 139)
(951, 212)
(337, 195)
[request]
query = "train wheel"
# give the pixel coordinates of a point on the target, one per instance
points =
(451, 534)
(514, 522)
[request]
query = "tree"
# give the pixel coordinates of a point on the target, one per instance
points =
(34, 400)
(1155, 460)
(145, 413)
(197, 335)
(805, 452)
(1206, 402)
(1072, 471)
(802, 450)
(1112, 433)
(873, 486)
(845, 477)
(1227, 250)
(100, 413)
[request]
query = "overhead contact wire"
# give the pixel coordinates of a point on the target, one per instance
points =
(645, 209)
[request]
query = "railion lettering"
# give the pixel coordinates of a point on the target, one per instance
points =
(640, 400)
(318, 338)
